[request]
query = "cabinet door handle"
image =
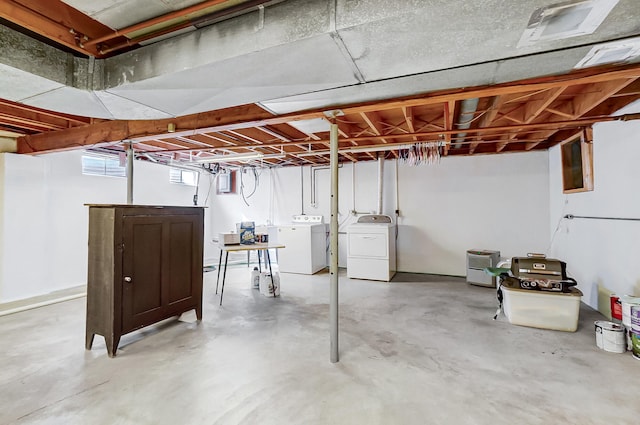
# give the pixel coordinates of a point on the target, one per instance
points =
(127, 279)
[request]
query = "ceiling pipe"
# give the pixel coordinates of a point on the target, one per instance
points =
(155, 21)
(468, 108)
(197, 22)
(314, 202)
(314, 169)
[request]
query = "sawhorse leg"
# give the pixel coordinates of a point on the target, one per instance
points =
(268, 259)
(219, 264)
(224, 276)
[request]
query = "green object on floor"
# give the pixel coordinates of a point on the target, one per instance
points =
(496, 271)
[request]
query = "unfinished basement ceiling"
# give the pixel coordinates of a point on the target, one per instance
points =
(313, 55)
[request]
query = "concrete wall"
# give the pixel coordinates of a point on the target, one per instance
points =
(44, 222)
(601, 253)
(493, 202)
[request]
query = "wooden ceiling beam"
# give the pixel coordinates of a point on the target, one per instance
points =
(534, 128)
(375, 123)
(191, 141)
(531, 111)
(502, 143)
(20, 109)
(55, 20)
(589, 99)
(140, 130)
(409, 118)
(349, 157)
(252, 141)
(597, 94)
(585, 76)
(563, 114)
(268, 130)
(155, 21)
(27, 123)
(632, 89)
(535, 107)
(251, 116)
(219, 137)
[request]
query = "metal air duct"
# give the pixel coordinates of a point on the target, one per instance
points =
(468, 108)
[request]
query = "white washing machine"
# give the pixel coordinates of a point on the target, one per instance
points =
(371, 248)
(305, 241)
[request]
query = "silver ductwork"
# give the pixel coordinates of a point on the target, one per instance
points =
(468, 108)
(247, 59)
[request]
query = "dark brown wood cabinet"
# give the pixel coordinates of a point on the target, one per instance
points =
(145, 265)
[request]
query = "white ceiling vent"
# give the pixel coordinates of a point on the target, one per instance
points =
(564, 20)
(615, 52)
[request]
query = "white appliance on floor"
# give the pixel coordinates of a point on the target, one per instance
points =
(371, 248)
(305, 241)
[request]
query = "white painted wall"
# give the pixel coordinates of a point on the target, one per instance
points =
(601, 252)
(44, 222)
(492, 202)
(487, 202)
(24, 239)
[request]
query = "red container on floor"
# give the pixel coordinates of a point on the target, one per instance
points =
(616, 307)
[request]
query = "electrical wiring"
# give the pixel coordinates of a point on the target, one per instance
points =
(213, 179)
(256, 183)
(242, 187)
(562, 214)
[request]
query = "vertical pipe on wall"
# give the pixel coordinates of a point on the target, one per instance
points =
(353, 188)
(271, 195)
(130, 173)
(333, 245)
(397, 193)
(380, 180)
(302, 190)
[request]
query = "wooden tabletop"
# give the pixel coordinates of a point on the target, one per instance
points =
(250, 247)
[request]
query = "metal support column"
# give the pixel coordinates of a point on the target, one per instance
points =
(380, 180)
(333, 245)
(130, 173)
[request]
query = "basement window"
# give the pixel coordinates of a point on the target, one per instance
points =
(577, 165)
(178, 176)
(97, 165)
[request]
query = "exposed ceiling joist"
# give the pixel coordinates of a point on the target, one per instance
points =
(54, 20)
(509, 117)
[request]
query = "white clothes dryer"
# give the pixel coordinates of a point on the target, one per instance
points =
(371, 248)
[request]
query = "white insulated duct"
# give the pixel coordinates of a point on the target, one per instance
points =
(247, 58)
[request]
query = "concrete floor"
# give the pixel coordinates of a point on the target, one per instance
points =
(418, 350)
